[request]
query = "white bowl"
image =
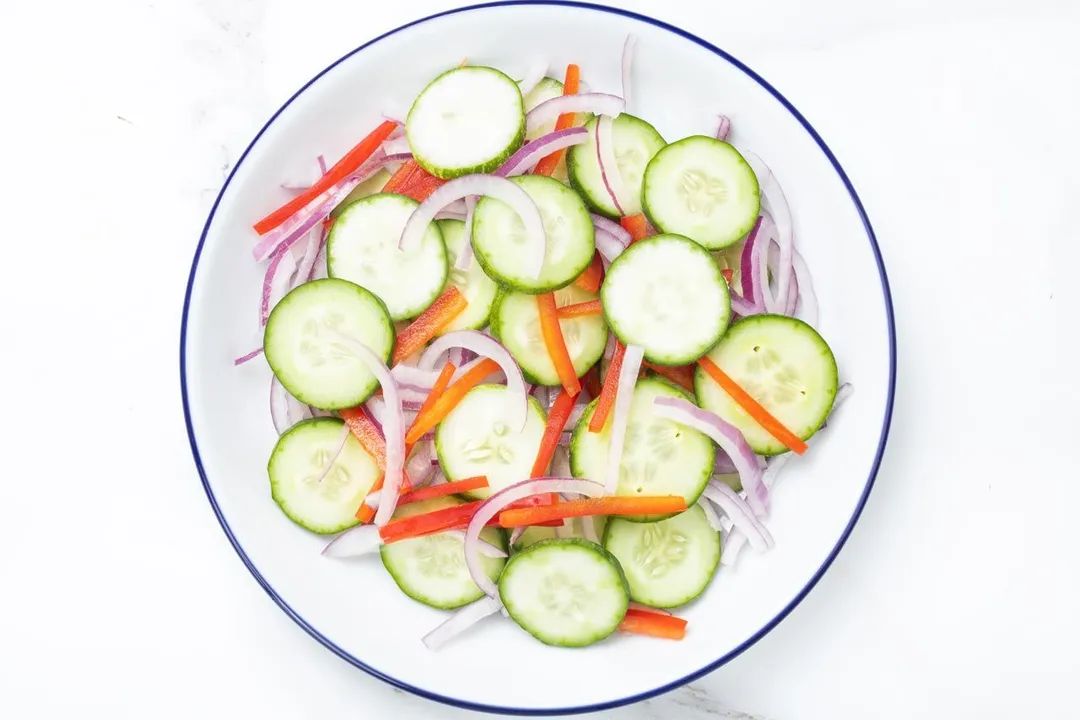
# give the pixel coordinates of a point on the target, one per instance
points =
(353, 608)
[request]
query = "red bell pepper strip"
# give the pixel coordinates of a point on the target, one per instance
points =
(342, 169)
(560, 413)
(445, 308)
(607, 394)
(547, 165)
(591, 307)
(643, 622)
(590, 280)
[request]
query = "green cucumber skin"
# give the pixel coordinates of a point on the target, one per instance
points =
(642, 595)
(564, 542)
(282, 307)
(483, 168)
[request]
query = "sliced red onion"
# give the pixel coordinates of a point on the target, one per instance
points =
(533, 152)
(464, 259)
(414, 376)
(741, 307)
(536, 72)
(360, 540)
(723, 464)
(649, 608)
(595, 103)
(508, 495)
(723, 129)
(491, 186)
(485, 548)
(565, 438)
(285, 410)
(710, 514)
(517, 533)
(447, 214)
(775, 202)
(485, 346)
(608, 245)
(588, 529)
(276, 282)
(605, 156)
(627, 65)
(575, 415)
(729, 439)
(624, 396)
(732, 543)
(419, 464)
(749, 269)
(609, 349)
(807, 304)
(306, 267)
(393, 425)
(740, 514)
(540, 392)
(461, 621)
(250, 356)
(612, 228)
(793, 296)
(396, 145)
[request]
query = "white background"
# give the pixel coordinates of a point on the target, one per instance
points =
(956, 596)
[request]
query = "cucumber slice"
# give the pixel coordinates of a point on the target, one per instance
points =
(516, 322)
(363, 248)
(660, 457)
(329, 505)
(667, 294)
(372, 185)
(702, 188)
(475, 439)
(636, 142)
(476, 287)
(785, 365)
(303, 353)
(498, 235)
(468, 120)
(432, 569)
(667, 563)
(568, 593)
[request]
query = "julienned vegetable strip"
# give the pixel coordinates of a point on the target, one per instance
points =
(591, 307)
(344, 167)
(682, 375)
(556, 344)
(643, 622)
(636, 225)
(450, 488)
(728, 274)
(365, 430)
(450, 518)
(437, 390)
(560, 413)
(610, 505)
(413, 338)
(590, 280)
(591, 381)
(448, 400)
(753, 407)
(413, 181)
(607, 393)
(547, 165)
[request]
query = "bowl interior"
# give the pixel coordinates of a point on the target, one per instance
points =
(354, 606)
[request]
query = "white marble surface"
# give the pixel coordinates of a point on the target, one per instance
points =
(957, 593)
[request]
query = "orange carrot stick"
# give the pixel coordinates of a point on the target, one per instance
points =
(445, 308)
(607, 394)
(448, 400)
(547, 165)
(342, 169)
(590, 280)
(753, 407)
(592, 307)
(556, 345)
(609, 505)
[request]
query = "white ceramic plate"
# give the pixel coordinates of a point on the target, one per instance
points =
(353, 608)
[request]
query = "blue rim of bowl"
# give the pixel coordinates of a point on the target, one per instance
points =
(596, 707)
